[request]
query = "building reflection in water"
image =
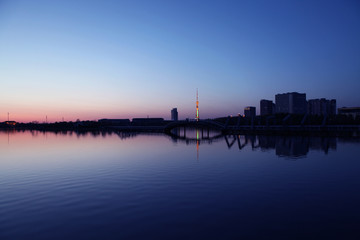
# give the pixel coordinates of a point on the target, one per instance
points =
(285, 146)
(297, 146)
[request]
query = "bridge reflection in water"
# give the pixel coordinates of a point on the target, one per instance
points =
(192, 135)
(285, 146)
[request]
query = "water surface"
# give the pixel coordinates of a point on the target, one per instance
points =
(133, 186)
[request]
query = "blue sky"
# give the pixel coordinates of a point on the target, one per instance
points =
(124, 59)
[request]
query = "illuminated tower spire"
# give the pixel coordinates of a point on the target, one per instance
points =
(197, 106)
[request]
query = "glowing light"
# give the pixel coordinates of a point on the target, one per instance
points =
(11, 123)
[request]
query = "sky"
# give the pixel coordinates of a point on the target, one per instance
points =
(89, 60)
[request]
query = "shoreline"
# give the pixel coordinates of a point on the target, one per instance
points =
(308, 130)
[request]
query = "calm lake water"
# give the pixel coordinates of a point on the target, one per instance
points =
(133, 186)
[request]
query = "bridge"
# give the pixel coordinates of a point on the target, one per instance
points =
(189, 140)
(195, 124)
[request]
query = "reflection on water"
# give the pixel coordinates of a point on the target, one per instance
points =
(285, 146)
(114, 185)
(195, 136)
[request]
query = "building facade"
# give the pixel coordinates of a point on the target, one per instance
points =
(174, 114)
(267, 107)
(250, 112)
(294, 103)
(322, 106)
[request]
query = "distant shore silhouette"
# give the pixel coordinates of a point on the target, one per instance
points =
(274, 124)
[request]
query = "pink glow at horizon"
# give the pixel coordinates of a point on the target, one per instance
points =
(34, 107)
(26, 116)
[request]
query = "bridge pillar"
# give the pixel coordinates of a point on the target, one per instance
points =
(227, 122)
(238, 121)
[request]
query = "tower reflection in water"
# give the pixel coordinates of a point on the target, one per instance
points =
(197, 143)
(189, 135)
(285, 146)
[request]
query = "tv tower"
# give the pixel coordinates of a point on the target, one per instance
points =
(197, 106)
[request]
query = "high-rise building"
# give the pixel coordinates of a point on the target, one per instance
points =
(250, 112)
(332, 107)
(174, 114)
(322, 106)
(267, 107)
(294, 103)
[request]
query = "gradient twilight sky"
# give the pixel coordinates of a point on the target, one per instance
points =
(125, 59)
